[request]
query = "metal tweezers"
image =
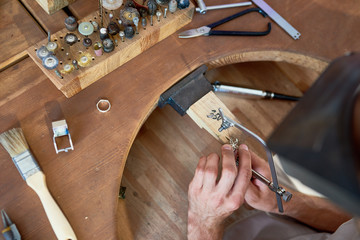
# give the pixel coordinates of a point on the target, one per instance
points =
(279, 191)
(10, 231)
(207, 30)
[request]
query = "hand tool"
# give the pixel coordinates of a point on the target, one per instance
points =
(15, 144)
(247, 92)
(285, 195)
(274, 186)
(10, 231)
(278, 19)
(192, 89)
(207, 30)
(203, 8)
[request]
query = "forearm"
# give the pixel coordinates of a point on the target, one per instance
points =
(316, 212)
(203, 230)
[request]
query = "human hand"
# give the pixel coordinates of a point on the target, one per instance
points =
(258, 195)
(211, 201)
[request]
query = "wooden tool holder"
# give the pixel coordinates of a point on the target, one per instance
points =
(99, 66)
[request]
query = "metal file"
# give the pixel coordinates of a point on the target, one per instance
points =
(278, 19)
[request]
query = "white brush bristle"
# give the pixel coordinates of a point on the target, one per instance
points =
(14, 141)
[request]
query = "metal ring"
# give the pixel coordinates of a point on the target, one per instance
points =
(103, 105)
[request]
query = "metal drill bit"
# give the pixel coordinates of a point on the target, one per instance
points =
(136, 23)
(158, 15)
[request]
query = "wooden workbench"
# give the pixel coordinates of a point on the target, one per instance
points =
(85, 182)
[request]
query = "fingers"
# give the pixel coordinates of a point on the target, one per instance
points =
(229, 169)
(243, 179)
(260, 165)
(197, 181)
(211, 172)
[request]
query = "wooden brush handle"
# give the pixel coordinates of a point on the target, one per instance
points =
(58, 221)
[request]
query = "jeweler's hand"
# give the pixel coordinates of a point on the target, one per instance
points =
(258, 195)
(211, 201)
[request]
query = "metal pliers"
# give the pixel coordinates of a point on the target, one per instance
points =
(10, 231)
(207, 30)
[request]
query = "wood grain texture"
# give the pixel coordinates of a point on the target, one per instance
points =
(52, 23)
(52, 6)
(163, 158)
(99, 66)
(85, 182)
(18, 31)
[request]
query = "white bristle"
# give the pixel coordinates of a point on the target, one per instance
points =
(14, 141)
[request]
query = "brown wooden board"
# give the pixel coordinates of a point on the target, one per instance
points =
(81, 9)
(98, 66)
(165, 153)
(18, 31)
(52, 23)
(85, 182)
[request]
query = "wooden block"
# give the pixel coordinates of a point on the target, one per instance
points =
(100, 66)
(205, 113)
(51, 6)
(52, 23)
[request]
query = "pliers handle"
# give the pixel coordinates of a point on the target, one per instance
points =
(238, 33)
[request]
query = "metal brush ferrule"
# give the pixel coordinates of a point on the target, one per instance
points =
(26, 164)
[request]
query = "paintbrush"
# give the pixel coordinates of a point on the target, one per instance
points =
(15, 144)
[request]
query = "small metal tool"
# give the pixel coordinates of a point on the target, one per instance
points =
(60, 129)
(10, 231)
(227, 123)
(278, 19)
(285, 195)
(71, 39)
(152, 10)
(158, 15)
(129, 32)
(50, 62)
(70, 23)
(108, 45)
(182, 4)
(202, 6)
(204, 9)
(113, 28)
(144, 23)
(165, 12)
(75, 64)
(58, 74)
(103, 33)
(136, 23)
(86, 28)
(253, 93)
(42, 52)
(172, 6)
(87, 42)
(207, 30)
(122, 35)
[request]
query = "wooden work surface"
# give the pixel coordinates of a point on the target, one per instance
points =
(85, 182)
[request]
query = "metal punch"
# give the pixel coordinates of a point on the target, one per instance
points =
(10, 231)
(281, 193)
(207, 30)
